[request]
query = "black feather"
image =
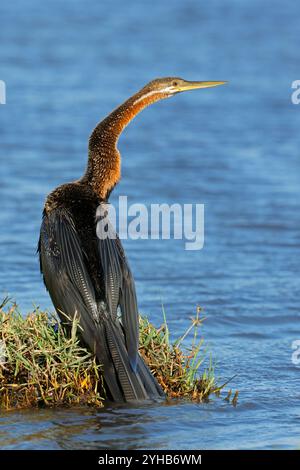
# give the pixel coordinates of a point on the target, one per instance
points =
(64, 260)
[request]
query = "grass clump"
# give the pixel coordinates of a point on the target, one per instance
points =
(42, 365)
(176, 368)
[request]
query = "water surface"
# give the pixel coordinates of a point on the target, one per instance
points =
(234, 149)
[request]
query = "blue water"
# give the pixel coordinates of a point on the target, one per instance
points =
(234, 149)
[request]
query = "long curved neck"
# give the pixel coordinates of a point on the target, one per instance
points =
(104, 162)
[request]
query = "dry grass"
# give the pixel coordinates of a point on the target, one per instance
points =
(176, 368)
(42, 365)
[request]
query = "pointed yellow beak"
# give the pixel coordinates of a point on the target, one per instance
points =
(185, 86)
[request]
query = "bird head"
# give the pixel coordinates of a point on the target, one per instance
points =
(170, 86)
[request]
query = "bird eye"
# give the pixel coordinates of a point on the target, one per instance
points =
(175, 83)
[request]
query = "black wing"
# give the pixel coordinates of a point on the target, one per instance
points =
(119, 282)
(64, 267)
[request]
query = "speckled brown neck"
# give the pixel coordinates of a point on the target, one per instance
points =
(104, 161)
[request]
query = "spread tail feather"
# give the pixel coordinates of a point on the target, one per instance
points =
(123, 383)
(150, 383)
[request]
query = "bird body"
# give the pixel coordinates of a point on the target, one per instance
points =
(89, 276)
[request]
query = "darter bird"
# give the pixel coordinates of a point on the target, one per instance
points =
(89, 276)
